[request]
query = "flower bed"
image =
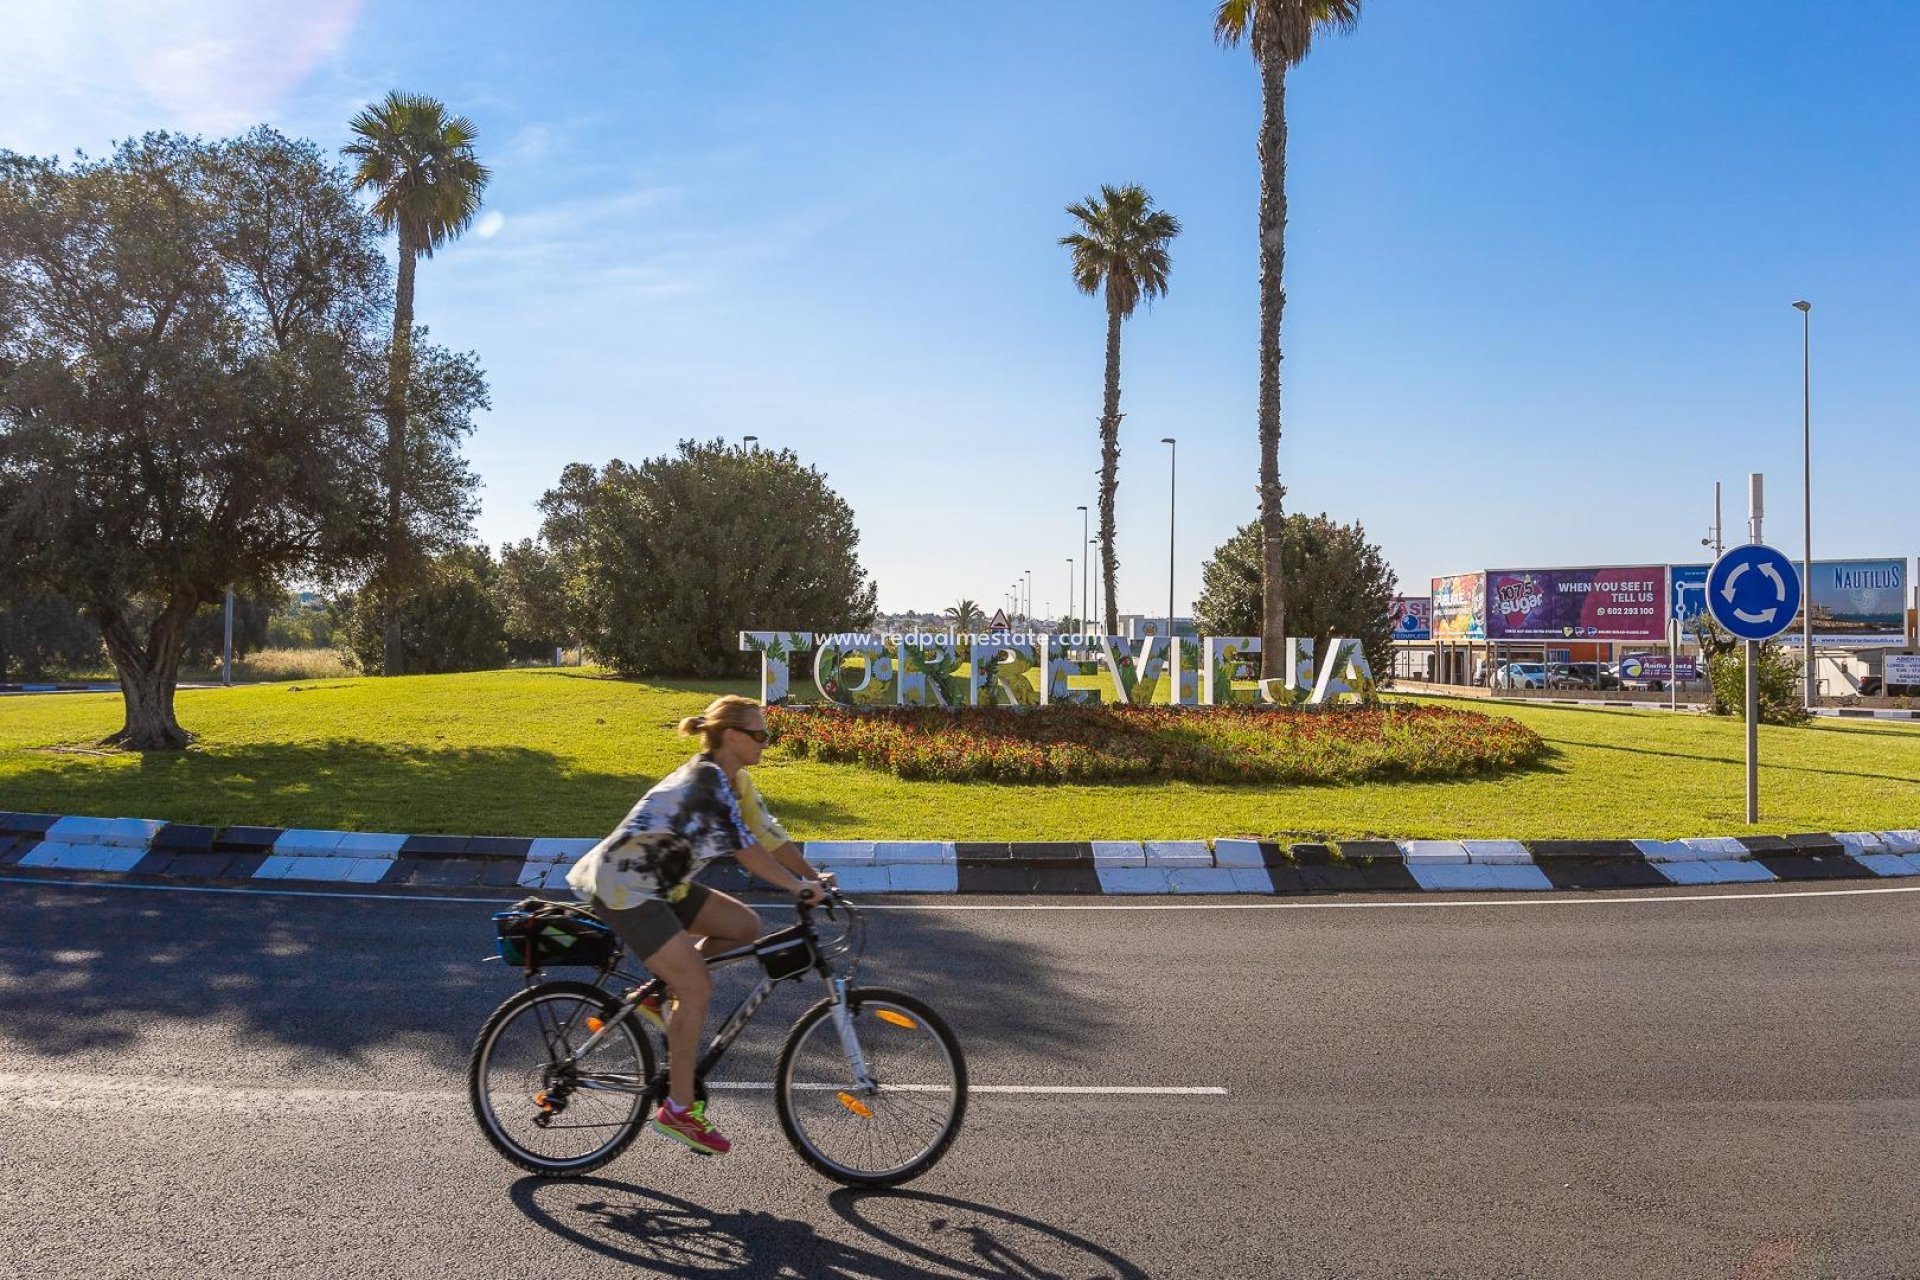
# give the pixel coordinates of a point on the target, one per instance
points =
(1110, 744)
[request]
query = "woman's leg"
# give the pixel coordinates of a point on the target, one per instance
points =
(723, 923)
(679, 965)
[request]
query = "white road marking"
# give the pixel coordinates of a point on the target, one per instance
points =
(66, 1092)
(1784, 892)
(1211, 1090)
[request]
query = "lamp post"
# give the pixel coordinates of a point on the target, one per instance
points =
(1173, 471)
(1029, 610)
(1085, 611)
(748, 440)
(1806, 491)
(1097, 587)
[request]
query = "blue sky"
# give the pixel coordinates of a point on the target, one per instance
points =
(1541, 256)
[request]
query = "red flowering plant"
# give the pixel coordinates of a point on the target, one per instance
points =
(1100, 743)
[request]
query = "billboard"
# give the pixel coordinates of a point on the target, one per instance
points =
(1459, 607)
(1858, 603)
(1616, 602)
(1689, 592)
(1413, 618)
(1658, 666)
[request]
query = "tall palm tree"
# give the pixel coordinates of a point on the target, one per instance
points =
(1281, 33)
(427, 184)
(1121, 246)
(964, 616)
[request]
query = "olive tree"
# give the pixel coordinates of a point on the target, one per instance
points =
(192, 366)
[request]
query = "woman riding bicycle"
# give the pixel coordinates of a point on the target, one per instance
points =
(640, 881)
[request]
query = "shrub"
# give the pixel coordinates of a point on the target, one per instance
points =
(1212, 744)
(1780, 693)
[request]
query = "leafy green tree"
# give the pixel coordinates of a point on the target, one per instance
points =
(530, 591)
(1281, 33)
(1121, 247)
(427, 183)
(666, 563)
(449, 619)
(301, 622)
(207, 634)
(1340, 583)
(41, 635)
(190, 364)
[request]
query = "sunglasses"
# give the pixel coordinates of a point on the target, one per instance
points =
(758, 735)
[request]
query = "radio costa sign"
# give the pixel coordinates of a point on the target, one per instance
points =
(1024, 669)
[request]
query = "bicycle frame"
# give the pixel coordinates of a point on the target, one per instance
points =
(743, 1013)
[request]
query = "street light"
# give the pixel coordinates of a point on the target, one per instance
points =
(1173, 470)
(1806, 492)
(1029, 610)
(747, 440)
(1085, 612)
(1098, 587)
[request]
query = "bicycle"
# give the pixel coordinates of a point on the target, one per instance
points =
(870, 1087)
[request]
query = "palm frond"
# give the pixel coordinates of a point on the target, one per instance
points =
(1289, 25)
(1121, 246)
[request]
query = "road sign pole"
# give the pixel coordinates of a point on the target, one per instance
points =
(1756, 509)
(1753, 737)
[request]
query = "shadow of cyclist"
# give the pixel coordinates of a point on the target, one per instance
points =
(928, 1234)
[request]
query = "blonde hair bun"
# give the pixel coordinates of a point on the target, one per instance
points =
(729, 712)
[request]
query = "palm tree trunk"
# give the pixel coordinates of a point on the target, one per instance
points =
(148, 677)
(399, 367)
(1110, 462)
(1273, 300)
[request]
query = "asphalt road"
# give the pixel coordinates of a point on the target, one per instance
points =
(227, 1084)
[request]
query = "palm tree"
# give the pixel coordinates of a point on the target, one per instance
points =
(1121, 245)
(1281, 32)
(427, 184)
(964, 616)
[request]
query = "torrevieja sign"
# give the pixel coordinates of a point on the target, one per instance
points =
(1021, 669)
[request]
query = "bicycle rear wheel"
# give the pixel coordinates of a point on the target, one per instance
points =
(894, 1132)
(541, 1109)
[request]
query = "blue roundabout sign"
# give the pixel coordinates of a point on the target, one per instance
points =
(1754, 592)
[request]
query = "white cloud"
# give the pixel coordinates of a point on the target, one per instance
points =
(74, 74)
(489, 224)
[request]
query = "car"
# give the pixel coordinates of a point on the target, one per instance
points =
(1566, 675)
(1582, 675)
(1519, 675)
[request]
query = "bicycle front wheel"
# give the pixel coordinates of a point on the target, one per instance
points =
(893, 1132)
(544, 1105)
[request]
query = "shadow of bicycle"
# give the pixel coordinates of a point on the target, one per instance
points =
(927, 1235)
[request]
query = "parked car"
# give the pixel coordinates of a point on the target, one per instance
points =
(1520, 675)
(1582, 675)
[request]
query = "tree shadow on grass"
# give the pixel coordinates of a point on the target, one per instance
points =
(88, 970)
(905, 1235)
(1738, 760)
(350, 785)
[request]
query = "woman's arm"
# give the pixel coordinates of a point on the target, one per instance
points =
(783, 867)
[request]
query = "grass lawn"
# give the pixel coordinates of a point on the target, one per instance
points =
(565, 752)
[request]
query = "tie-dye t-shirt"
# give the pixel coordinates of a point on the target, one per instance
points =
(688, 818)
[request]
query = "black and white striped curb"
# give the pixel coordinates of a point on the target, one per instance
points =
(1867, 713)
(42, 843)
